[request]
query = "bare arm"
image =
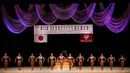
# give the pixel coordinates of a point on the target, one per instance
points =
(29, 59)
(58, 58)
(22, 58)
(64, 58)
(15, 59)
(9, 58)
(73, 59)
(2, 58)
(83, 58)
(88, 59)
(108, 59)
(77, 59)
(48, 59)
(104, 59)
(54, 59)
(37, 58)
(124, 59)
(67, 58)
(43, 59)
(94, 59)
(99, 59)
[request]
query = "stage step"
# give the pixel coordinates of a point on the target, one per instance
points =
(65, 64)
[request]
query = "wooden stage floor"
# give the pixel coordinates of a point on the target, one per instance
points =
(66, 70)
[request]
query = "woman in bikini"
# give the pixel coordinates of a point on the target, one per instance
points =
(32, 60)
(5, 59)
(61, 58)
(80, 60)
(122, 61)
(41, 60)
(102, 60)
(111, 60)
(19, 60)
(52, 60)
(71, 60)
(92, 60)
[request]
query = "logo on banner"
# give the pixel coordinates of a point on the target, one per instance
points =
(40, 38)
(86, 38)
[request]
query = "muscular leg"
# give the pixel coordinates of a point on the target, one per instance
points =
(122, 66)
(111, 65)
(70, 65)
(102, 65)
(40, 64)
(32, 64)
(52, 65)
(92, 64)
(19, 65)
(5, 65)
(61, 65)
(32, 67)
(81, 65)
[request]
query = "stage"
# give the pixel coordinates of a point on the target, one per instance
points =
(66, 70)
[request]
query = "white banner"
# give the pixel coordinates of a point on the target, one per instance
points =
(40, 38)
(63, 29)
